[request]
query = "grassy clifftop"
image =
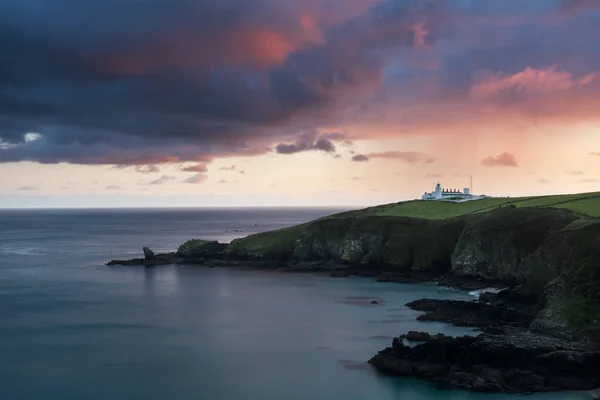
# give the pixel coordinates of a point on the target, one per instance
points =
(587, 204)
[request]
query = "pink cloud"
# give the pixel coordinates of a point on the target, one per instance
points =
(529, 81)
(502, 160)
(195, 168)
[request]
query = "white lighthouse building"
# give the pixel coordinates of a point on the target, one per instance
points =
(450, 194)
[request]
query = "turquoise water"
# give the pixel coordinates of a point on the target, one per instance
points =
(72, 328)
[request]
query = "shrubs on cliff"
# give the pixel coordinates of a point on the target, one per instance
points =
(581, 305)
(197, 248)
(496, 244)
(424, 247)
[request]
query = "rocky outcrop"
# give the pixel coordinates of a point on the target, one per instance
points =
(148, 253)
(197, 248)
(414, 336)
(150, 259)
(469, 313)
(514, 361)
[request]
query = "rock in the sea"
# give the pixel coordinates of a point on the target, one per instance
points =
(149, 254)
(415, 336)
(519, 361)
(374, 302)
(469, 313)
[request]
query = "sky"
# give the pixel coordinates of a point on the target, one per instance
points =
(204, 103)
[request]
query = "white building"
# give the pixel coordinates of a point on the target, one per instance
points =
(450, 194)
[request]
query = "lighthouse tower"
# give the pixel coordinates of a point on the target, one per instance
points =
(438, 191)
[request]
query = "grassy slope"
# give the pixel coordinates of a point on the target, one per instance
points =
(585, 203)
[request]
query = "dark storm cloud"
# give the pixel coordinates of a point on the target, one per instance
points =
(307, 142)
(212, 76)
(129, 82)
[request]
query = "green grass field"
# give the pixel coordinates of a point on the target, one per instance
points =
(587, 204)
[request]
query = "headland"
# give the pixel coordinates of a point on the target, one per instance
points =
(541, 329)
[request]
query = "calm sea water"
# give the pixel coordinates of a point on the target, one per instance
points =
(72, 328)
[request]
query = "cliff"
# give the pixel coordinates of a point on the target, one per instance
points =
(553, 253)
(540, 332)
(549, 247)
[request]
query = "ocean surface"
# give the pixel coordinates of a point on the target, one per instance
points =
(73, 328)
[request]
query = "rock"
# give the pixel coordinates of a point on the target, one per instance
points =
(132, 262)
(148, 254)
(197, 248)
(519, 361)
(493, 330)
(342, 273)
(414, 336)
(374, 302)
(469, 313)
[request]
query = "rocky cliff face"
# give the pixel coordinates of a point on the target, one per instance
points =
(497, 245)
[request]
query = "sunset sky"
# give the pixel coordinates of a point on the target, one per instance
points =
(295, 102)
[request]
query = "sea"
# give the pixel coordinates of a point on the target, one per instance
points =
(73, 328)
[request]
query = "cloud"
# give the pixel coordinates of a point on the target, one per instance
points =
(224, 181)
(576, 172)
(590, 180)
(147, 169)
(410, 157)
(595, 153)
(360, 158)
(529, 81)
(307, 142)
(113, 187)
(196, 179)
(188, 80)
(572, 7)
(26, 189)
(193, 81)
(162, 180)
(407, 156)
(544, 181)
(195, 168)
(230, 168)
(355, 178)
(501, 160)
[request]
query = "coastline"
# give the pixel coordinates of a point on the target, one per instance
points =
(534, 259)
